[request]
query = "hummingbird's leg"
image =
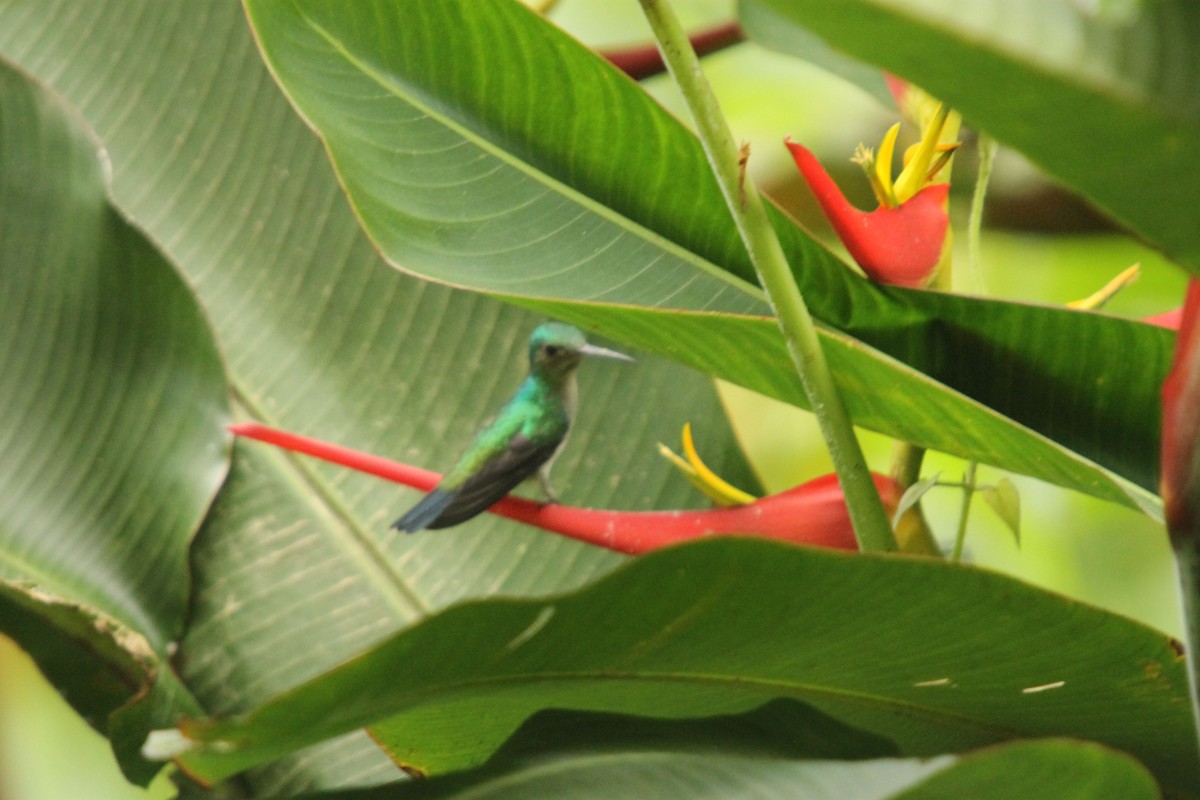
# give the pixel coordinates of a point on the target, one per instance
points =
(544, 480)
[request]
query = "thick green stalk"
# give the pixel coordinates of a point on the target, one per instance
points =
(871, 525)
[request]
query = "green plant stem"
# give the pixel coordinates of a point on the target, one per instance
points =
(907, 458)
(1187, 563)
(987, 155)
(987, 152)
(968, 487)
(871, 526)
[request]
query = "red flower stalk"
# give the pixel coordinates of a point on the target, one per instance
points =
(813, 513)
(1181, 425)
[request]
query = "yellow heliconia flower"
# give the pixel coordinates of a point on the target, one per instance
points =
(1099, 298)
(906, 240)
(922, 162)
(699, 475)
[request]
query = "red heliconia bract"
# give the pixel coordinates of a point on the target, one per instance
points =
(813, 513)
(1167, 319)
(899, 246)
(1181, 425)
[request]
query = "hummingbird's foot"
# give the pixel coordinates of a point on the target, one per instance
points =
(547, 489)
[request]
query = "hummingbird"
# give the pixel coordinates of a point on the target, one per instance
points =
(523, 438)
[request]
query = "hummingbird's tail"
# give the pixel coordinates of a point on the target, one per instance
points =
(420, 516)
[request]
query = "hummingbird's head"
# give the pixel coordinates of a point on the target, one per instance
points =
(555, 349)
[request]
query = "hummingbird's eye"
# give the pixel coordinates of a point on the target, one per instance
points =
(552, 350)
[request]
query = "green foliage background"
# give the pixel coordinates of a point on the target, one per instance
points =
(314, 332)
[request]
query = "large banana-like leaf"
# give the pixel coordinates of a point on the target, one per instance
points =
(961, 658)
(529, 168)
(111, 437)
(294, 569)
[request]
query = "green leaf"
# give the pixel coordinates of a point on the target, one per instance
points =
(568, 199)
(1064, 770)
(295, 568)
(877, 390)
(107, 671)
(1107, 106)
(1006, 502)
(913, 494)
(722, 626)
(295, 571)
(777, 32)
(113, 393)
(112, 442)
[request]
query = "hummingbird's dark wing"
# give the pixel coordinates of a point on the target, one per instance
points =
(423, 514)
(498, 477)
(445, 507)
